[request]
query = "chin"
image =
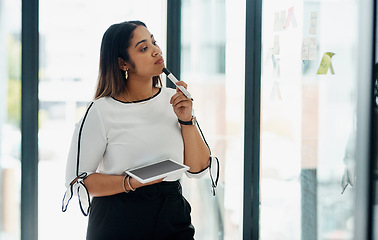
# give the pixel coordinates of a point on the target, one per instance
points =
(160, 67)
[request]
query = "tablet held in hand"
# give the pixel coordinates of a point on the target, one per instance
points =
(154, 171)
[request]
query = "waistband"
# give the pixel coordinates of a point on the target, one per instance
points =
(156, 190)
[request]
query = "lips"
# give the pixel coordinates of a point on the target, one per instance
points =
(160, 61)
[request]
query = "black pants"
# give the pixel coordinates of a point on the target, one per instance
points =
(157, 211)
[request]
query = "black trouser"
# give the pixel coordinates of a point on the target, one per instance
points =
(157, 211)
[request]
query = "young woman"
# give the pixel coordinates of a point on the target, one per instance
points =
(133, 121)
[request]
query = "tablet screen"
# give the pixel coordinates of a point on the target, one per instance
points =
(156, 169)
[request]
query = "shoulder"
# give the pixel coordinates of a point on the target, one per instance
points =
(103, 103)
(99, 107)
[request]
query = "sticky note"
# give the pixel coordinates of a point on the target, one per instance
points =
(290, 19)
(313, 23)
(326, 63)
(309, 46)
(276, 22)
(312, 48)
(276, 45)
(305, 49)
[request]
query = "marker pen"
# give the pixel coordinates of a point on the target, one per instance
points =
(174, 80)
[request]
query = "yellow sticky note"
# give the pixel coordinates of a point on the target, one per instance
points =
(326, 63)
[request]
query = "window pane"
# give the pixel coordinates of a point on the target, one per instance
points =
(308, 119)
(71, 33)
(212, 64)
(10, 113)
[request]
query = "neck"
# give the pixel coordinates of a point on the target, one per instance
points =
(139, 89)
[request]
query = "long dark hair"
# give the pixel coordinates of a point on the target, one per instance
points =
(114, 45)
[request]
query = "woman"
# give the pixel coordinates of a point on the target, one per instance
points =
(133, 121)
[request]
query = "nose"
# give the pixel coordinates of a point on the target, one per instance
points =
(157, 51)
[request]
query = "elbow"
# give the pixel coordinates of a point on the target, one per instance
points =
(200, 165)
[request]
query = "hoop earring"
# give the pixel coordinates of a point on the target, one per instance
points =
(126, 74)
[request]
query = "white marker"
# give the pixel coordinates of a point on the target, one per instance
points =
(174, 80)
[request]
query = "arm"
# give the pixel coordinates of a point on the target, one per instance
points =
(99, 184)
(86, 152)
(196, 153)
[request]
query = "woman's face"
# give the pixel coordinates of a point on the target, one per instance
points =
(145, 54)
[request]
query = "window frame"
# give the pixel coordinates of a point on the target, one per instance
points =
(251, 197)
(29, 119)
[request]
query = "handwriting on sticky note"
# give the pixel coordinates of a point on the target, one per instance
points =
(312, 49)
(309, 49)
(313, 23)
(305, 49)
(326, 63)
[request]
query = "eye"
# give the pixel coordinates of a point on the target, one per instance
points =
(143, 49)
(154, 42)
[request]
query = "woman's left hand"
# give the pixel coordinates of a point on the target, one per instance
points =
(182, 106)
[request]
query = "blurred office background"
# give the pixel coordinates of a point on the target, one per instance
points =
(308, 113)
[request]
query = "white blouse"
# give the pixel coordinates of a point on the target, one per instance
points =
(114, 136)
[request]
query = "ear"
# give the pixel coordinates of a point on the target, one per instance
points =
(122, 64)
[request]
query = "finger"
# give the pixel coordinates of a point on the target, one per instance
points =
(182, 103)
(182, 83)
(176, 96)
(179, 108)
(181, 100)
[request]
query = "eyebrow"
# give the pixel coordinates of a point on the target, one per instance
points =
(144, 40)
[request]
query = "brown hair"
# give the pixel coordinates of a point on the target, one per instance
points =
(114, 45)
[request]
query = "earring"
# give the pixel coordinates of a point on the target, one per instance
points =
(126, 74)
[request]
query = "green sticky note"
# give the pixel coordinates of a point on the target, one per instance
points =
(326, 63)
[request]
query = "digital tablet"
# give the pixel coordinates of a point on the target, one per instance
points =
(154, 171)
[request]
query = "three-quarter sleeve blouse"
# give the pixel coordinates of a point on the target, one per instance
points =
(114, 136)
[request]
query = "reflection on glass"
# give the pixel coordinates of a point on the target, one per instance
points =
(212, 63)
(70, 37)
(308, 119)
(10, 113)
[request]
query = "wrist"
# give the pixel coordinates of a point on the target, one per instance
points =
(124, 184)
(192, 121)
(129, 184)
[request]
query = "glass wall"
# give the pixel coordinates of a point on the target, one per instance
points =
(212, 63)
(308, 119)
(10, 114)
(70, 37)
